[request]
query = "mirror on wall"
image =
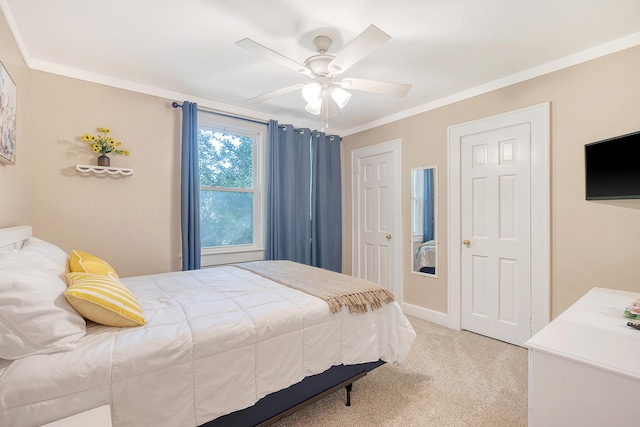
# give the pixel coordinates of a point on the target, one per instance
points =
(424, 247)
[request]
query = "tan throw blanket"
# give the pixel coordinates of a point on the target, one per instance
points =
(336, 289)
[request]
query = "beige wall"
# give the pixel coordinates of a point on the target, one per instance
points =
(15, 201)
(593, 243)
(125, 220)
(133, 222)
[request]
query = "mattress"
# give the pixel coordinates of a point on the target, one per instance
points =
(216, 341)
(425, 255)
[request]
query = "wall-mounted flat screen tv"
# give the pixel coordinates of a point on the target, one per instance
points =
(613, 168)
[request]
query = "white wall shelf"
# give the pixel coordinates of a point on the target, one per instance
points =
(100, 170)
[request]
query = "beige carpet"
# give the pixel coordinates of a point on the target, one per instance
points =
(450, 379)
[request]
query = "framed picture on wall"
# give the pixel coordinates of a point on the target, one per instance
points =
(7, 117)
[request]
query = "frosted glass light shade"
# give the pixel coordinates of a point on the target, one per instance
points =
(340, 96)
(311, 92)
(314, 107)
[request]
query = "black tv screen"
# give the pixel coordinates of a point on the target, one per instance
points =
(613, 168)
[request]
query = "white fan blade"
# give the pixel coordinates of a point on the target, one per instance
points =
(274, 93)
(368, 41)
(273, 56)
(385, 88)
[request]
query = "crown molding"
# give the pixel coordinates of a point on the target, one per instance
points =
(586, 55)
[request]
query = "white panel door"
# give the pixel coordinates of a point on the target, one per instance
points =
(495, 229)
(375, 232)
(376, 177)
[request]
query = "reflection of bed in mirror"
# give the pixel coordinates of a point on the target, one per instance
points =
(424, 202)
(425, 257)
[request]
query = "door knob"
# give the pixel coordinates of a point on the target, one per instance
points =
(467, 242)
(388, 236)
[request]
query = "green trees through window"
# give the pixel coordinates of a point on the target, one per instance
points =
(226, 188)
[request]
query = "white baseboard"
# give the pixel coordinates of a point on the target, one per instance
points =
(432, 316)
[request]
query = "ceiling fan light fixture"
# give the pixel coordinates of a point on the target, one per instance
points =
(311, 92)
(340, 96)
(324, 94)
(314, 107)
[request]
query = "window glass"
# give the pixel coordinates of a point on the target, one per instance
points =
(226, 218)
(226, 160)
(230, 184)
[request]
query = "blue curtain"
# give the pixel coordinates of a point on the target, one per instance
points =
(190, 188)
(428, 205)
(326, 202)
(304, 206)
(288, 235)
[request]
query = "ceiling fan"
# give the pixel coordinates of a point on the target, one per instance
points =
(326, 92)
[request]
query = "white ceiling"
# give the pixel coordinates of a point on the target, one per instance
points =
(186, 49)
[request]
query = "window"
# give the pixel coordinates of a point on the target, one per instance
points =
(231, 187)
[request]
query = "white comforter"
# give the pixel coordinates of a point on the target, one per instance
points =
(425, 255)
(217, 340)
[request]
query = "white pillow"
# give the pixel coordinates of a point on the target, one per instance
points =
(35, 317)
(47, 255)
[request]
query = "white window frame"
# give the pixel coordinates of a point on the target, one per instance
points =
(211, 256)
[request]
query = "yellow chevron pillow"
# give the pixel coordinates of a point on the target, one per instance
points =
(103, 299)
(87, 263)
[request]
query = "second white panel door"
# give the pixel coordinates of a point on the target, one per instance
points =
(495, 230)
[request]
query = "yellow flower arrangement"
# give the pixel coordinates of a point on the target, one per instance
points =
(103, 144)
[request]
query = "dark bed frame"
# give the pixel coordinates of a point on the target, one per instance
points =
(280, 404)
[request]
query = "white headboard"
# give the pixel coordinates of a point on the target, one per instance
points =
(13, 237)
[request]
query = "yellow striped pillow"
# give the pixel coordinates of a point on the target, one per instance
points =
(104, 300)
(84, 262)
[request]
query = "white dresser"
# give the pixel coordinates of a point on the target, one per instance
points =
(584, 367)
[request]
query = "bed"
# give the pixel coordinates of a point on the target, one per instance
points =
(425, 257)
(221, 346)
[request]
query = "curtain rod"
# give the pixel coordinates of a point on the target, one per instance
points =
(174, 104)
(301, 131)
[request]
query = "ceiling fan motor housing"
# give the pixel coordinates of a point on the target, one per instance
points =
(319, 64)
